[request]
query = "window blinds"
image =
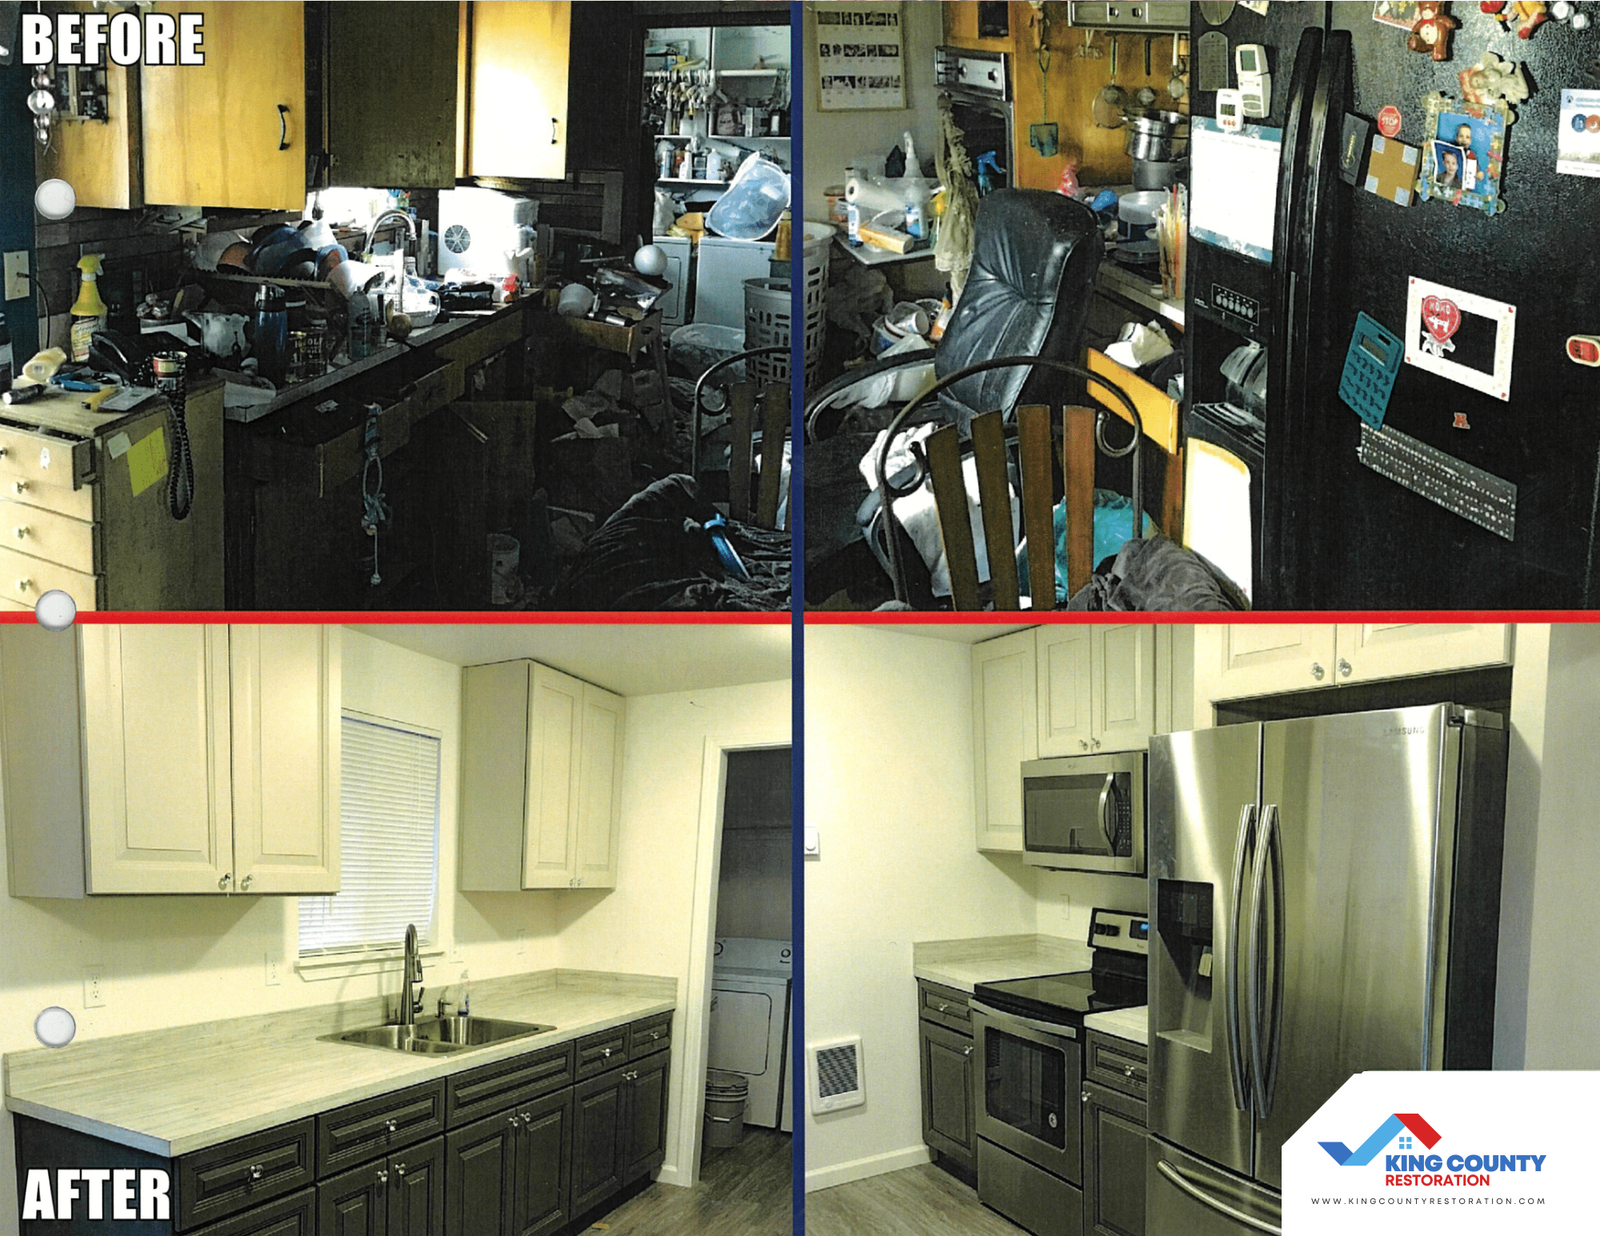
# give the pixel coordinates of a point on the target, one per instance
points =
(389, 843)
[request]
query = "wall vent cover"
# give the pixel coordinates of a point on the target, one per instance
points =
(836, 1075)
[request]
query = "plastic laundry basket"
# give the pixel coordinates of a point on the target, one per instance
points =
(726, 1096)
(769, 310)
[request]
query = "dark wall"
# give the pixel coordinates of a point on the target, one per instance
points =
(16, 196)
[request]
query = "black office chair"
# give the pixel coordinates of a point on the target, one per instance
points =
(1034, 261)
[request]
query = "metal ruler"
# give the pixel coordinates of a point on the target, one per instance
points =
(1487, 500)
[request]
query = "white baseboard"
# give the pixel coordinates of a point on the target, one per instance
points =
(670, 1175)
(860, 1169)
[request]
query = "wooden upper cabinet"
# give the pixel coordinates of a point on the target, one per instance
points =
(156, 758)
(100, 159)
(599, 788)
(1005, 735)
(518, 60)
(379, 53)
(286, 771)
(555, 713)
(232, 132)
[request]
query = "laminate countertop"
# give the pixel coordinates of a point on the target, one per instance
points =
(963, 964)
(1130, 1024)
(176, 1090)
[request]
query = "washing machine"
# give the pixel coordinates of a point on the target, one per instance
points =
(750, 982)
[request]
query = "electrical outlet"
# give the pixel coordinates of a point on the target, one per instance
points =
(17, 282)
(1066, 906)
(94, 993)
(272, 971)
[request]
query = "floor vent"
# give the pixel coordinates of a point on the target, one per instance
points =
(836, 1075)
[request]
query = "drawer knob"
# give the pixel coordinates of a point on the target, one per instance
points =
(257, 1171)
(514, 1122)
(967, 1050)
(654, 1035)
(24, 584)
(944, 1008)
(390, 1125)
(1128, 1072)
(23, 531)
(606, 1053)
(527, 1118)
(22, 487)
(629, 1076)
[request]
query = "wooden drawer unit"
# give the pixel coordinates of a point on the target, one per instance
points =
(599, 1052)
(225, 1179)
(25, 578)
(649, 1036)
(494, 1087)
(295, 1215)
(38, 458)
(944, 1006)
(351, 1135)
(1116, 1063)
(44, 533)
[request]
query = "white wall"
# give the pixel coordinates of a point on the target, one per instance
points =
(833, 140)
(645, 925)
(1548, 989)
(889, 785)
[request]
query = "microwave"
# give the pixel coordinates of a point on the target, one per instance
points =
(1085, 813)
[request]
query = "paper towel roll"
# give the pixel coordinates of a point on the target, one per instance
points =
(874, 198)
(44, 364)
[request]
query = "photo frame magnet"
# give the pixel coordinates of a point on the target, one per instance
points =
(1461, 336)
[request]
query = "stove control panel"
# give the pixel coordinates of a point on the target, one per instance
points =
(1120, 930)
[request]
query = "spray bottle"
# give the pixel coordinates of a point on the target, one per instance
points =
(88, 311)
(988, 162)
(915, 192)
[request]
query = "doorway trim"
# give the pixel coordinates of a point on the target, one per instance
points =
(697, 999)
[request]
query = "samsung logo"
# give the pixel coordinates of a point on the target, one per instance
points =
(1405, 729)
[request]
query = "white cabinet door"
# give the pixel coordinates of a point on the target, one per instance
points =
(286, 691)
(494, 775)
(1066, 709)
(1235, 661)
(1374, 650)
(1005, 733)
(156, 758)
(1124, 692)
(674, 305)
(599, 788)
(555, 713)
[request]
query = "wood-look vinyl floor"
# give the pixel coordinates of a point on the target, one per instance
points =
(746, 1190)
(912, 1202)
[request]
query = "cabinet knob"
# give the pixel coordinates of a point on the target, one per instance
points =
(944, 1008)
(23, 531)
(1084, 1096)
(257, 1171)
(630, 1076)
(514, 1122)
(227, 879)
(527, 1118)
(390, 1125)
(24, 584)
(244, 884)
(1317, 671)
(1083, 744)
(1344, 668)
(1095, 742)
(22, 487)
(606, 1053)
(654, 1035)
(382, 1178)
(399, 1169)
(967, 1050)
(1128, 1072)
(578, 882)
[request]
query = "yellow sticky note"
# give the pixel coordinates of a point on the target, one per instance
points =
(147, 461)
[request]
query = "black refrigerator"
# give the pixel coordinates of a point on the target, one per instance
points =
(1479, 487)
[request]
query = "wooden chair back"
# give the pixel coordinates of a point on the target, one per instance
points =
(750, 406)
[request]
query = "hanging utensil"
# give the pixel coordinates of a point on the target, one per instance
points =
(1175, 86)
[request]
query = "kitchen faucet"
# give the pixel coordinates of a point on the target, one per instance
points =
(411, 227)
(411, 1004)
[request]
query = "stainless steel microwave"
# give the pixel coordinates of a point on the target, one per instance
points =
(1085, 813)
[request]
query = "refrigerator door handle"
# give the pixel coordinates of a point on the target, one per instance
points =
(1236, 1061)
(1215, 1203)
(1107, 792)
(1266, 1012)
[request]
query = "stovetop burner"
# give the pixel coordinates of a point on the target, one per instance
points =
(1064, 999)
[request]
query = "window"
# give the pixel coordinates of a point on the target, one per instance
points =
(389, 843)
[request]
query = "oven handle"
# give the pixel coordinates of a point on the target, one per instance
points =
(1026, 1023)
(1215, 1203)
(1236, 1071)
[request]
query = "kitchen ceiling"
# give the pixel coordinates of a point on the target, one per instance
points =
(628, 658)
(955, 632)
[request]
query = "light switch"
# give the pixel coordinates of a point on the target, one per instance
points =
(813, 843)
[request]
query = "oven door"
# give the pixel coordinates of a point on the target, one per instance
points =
(1028, 1082)
(985, 125)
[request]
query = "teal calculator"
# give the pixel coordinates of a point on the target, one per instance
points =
(1370, 368)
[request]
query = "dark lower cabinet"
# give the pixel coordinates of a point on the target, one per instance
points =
(597, 1142)
(400, 1195)
(480, 1177)
(646, 1118)
(947, 1117)
(542, 1190)
(1113, 1162)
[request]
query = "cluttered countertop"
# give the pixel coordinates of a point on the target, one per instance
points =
(175, 1090)
(963, 964)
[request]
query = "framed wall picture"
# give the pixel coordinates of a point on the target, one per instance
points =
(1463, 159)
(860, 57)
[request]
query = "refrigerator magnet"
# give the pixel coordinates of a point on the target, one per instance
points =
(1392, 170)
(1578, 140)
(1462, 161)
(1461, 336)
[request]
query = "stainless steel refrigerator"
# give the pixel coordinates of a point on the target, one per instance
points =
(1325, 893)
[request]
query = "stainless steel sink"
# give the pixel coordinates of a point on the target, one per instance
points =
(439, 1035)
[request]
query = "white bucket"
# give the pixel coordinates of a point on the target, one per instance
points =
(726, 1095)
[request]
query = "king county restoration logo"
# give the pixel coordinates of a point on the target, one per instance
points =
(1426, 1169)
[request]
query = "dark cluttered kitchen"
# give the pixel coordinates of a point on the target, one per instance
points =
(395, 307)
(1202, 306)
